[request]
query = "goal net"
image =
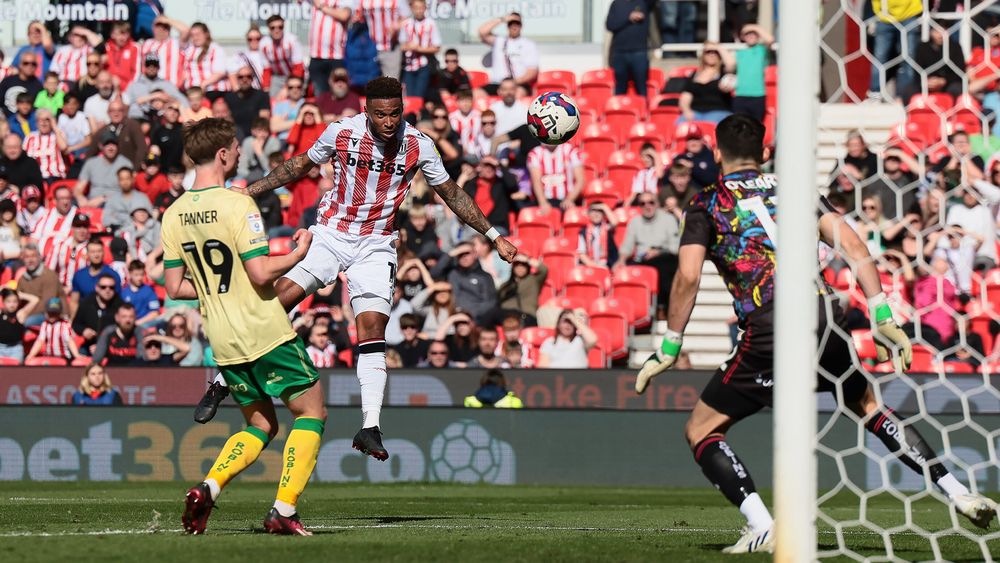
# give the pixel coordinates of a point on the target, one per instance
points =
(905, 143)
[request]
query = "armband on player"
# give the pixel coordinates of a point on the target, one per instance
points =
(493, 234)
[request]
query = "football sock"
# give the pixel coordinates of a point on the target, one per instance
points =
(724, 469)
(240, 451)
(371, 376)
(910, 447)
(301, 449)
(220, 380)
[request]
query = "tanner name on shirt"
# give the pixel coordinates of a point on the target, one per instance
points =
(200, 217)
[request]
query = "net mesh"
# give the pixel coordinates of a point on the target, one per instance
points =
(905, 135)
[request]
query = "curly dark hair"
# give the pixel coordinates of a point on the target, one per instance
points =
(384, 88)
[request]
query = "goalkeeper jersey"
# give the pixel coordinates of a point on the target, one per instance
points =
(211, 232)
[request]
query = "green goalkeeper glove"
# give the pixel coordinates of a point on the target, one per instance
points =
(659, 361)
(887, 333)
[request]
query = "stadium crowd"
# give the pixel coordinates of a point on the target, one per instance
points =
(92, 155)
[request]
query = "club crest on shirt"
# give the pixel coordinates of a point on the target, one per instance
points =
(255, 223)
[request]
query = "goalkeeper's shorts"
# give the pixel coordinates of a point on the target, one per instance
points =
(744, 384)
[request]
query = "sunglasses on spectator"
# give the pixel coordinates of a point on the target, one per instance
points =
(294, 86)
(244, 76)
(29, 63)
(489, 122)
(440, 116)
(438, 353)
(105, 287)
(253, 38)
(651, 202)
(276, 26)
(93, 63)
(868, 207)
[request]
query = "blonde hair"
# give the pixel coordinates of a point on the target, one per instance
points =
(85, 385)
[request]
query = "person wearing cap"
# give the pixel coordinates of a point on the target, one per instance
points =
(55, 335)
(519, 294)
(119, 207)
(131, 138)
(151, 181)
(472, 287)
(85, 279)
(285, 111)
(69, 255)
(98, 179)
(168, 136)
(31, 211)
(247, 103)
(706, 97)
(697, 155)
(339, 101)
(121, 55)
(513, 56)
(148, 86)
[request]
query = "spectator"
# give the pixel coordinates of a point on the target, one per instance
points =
(509, 112)
(96, 312)
(131, 139)
(118, 249)
(941, 60)
(959, 250)
(597, 239)
(285, 111)
(519, 294)
(152, 354)
(10, 234)
(413, 277)
(513, 352)
(678, 20)
(87, 85)
(204, 61)
(452, 78)
(493, 392)
(69, 255)
(493, 193)
(47, 145)
(399, 307)
(22, 122)
(32, 212)
(85, 279)
(859, 163)
(12, 318)
(270, 211)
(652, 239)
(196, 109)
(751, 64)
(167, 137)
(647, 180)
(149, 87)
(168, 49)
(895, 187)
(120, 344)
(514, 57)
(458, 331)
(436, 304)
(98, 180)
(20, 169)
(247, 104)
(253, 161)
(490, 260)
(327, 39)
(142, 233)
(40, 45)
(39, 282)
(176, 177)
(977, 222)
(122, 55)
(76, 127)
(96, 105)
(55, 337)
(282, 55)
(569, 346)
(307, 129)
(151, 181)
(897, 34)
(140, 295)
(697, 155)
(936, 297)
(466, 121)
(51, 96)
(873, 225)
(252, 57)
(473, 288)
(556, 175)
(960, 156)
(338, 100)
(419, 39)
(96, 389)
(483, 145)
(321, 349)
(421, 239)
(70, 61)
(26, 81)
(120, 204)
(445, 139)
(487, 346)
(55, 224)
(384, 21)
(179, 343)
(628, 21)
(305, 192)
(393, 360)
(437, 356)
(706, 96)
(413, 349)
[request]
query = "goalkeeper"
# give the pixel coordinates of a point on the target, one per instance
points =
(732, 224)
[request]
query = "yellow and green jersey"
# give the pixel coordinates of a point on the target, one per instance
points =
(211, 232)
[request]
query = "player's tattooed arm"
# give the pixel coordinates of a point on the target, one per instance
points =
(287, 172)
(467, 210)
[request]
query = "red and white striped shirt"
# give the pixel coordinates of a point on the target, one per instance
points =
(196, 71)
(425, 34)
(45, 149)
(56, 337)
(381, 16)
(645, 181)
(324, 358)
(467, 127)
(556, 165)
(68, 257)
(282, 58)
(70, 62)
(53, 226)
(327, 35)
(370, 179)
(171, 58)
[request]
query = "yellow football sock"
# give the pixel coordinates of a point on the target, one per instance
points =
(301, 450)
(240, 451)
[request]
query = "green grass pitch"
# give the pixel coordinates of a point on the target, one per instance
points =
(418, 522)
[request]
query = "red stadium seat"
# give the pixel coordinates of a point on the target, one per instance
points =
(534, 336)
(9, 361)
(413, 104)
(615, 305)
(628, 102)
(574, 220)
(565, 303)
(45, 361)
(625, 214)
(535, 217)
(596, 358)
(280, 246)
(561, 245)
(612, 330)
(598, 140)
(909, 138)
(864, 344)
(532, 237)
(478, 78)
(656, 79)
(81, 361)
(924, 112)
(559, 256)
(622, 167)
(558, 80)
(642, 133)
(50, 190)
(586, 283)
(597, 86)
(638, 294)
(682, 71)
(604, 191)
(96, 215)
(923, 360)
(665, 120)
(979, 323)
(645, 276)
(957, 367)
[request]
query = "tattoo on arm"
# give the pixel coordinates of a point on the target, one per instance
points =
(288, 172)
(463, 206)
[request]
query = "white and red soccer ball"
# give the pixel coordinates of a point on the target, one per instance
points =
(553, 118)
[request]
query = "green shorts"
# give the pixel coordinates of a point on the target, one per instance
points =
(285, 372)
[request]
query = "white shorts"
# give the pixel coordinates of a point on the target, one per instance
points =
(369, 261)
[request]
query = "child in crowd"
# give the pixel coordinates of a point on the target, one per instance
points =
(196, 110)
(51, 97)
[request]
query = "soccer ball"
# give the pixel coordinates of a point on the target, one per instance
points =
(553, 118)
(464, 452)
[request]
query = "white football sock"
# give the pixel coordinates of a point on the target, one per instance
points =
(372, 376)
(952, 486)
(220, 380)
(284, 508)
(757, 515)
(214, 487)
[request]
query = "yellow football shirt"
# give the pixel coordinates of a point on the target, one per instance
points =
(211, 232)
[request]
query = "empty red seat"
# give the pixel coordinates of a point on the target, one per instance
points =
(864, 344)
(622, 216)
(563, 302)
(633, 312)
(612, 332)
(639, 296)
(586, 282)
(529, 247)
(96, 215)
(642, 133)
(628, 103)
(597, 86)
(598, 141)
(45, 361)
(413, 104)
(603, 191)
(280, 246)
(478, 78)
(622, 167)
(558, 80)
(596, 358)
(957, 367)
(574, 220)
(926, 113)
(656, 79)
(4, 361)
(559, 256)
(81, 361)
(923, 360)
(645, 276)
(532, 222)
(532, 237)
(534, 336)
